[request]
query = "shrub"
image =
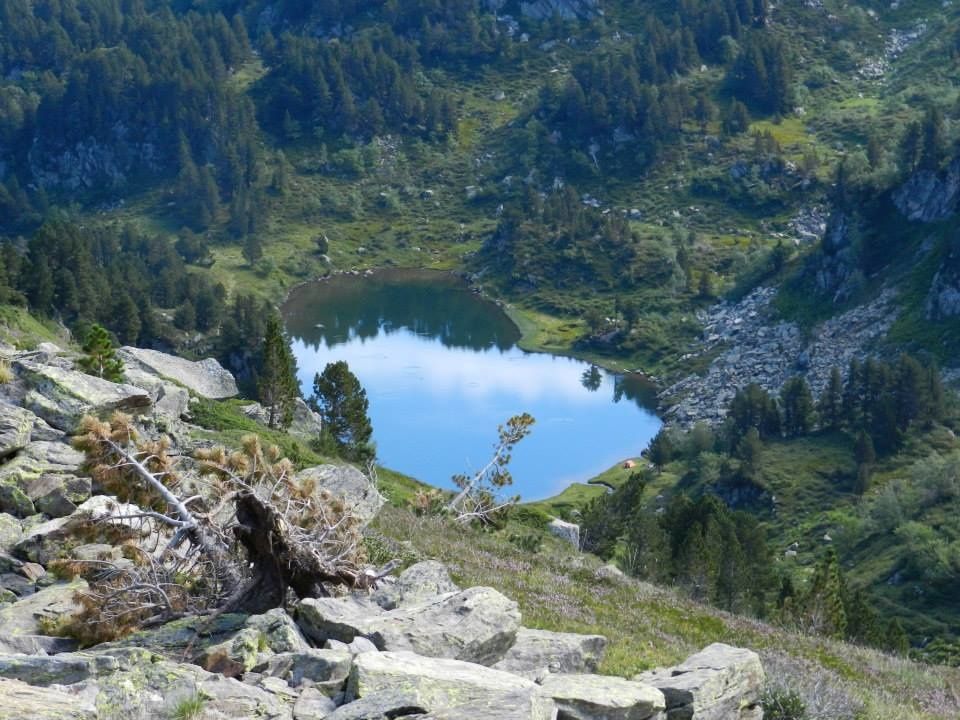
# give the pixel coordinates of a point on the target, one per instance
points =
(189, 708)
(532, 517)
(783, 704)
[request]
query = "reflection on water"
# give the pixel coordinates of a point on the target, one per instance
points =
(442, 370)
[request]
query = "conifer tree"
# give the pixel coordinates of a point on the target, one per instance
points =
(830, 405)
(100, 359)
(277, 384)
(343, 405)
(823, 606)
(797, 407)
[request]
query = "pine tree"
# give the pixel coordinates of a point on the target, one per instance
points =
(823, 604)
(797, 407)
(100, 358)
(830, 405)
(896, 639)
(277, 384)
(343, 405)
(661, 450)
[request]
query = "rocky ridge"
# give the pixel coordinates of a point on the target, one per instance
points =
(419, 646)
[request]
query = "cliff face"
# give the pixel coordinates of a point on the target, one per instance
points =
(929, 196)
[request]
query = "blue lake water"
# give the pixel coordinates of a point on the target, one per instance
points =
(442, 370)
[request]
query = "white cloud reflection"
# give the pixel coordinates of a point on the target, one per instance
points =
(392, 363)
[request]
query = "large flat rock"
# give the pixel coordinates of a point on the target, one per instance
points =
(61, 396)
(539, 652)
(515, 705)
(20, 701)
(721, 682)
(25, 617)
(433, 683)
(206, 378)
(601, 697)
(476, 625)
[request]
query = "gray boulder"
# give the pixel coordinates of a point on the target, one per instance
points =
(433, 683)
(279, 631)
(537, 653)
(601, 697)
(417, 583)
(516, 705)
(477, 625)
(16, 425)
(348, 483)
(313, 705)
(719, 683)
(305, 421)
(62, 397)
(62, 669)
(234, 656)
(566, 531)
(170, 400)
(20, 701)
(327, 670)
(381, 705)
(206, 378)
(26, 616)
(58, 495)
(10, 531)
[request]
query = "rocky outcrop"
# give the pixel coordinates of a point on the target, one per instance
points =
(566, 531)
(359, 494)
(929, 196)
(206, 378)
(538, 653)
(305, 422)
(566, 9)
(20, 701)
(752, 347)
(477, 625)
(719, 683)
(62, 397)
(601, 697)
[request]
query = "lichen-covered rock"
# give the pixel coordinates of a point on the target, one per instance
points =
(327, 670)
(434, 683)
(719, 683)
(62, 669)
(58, 495)
(233, 656)
(313, 705)
(305, 421)
(20, 701)
(516, 705)
(601, 697)
(10, 531)
(16, 424)
(206, 378)
(381, 705)
(62, 397)
(346, 482)
(27, 615)
(279, 631)
(476, 625)
(181, 638)
(537, 653)
(416, 584)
